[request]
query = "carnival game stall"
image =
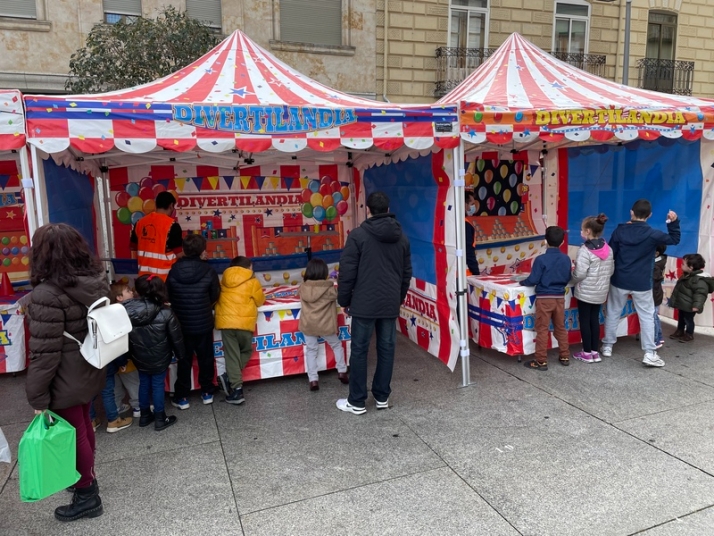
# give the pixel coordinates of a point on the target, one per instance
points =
(545, 143)
(14, 237)
(265, 163)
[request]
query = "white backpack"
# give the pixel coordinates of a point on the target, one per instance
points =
(108, 336)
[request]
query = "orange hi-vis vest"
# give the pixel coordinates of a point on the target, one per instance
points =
(152, 232)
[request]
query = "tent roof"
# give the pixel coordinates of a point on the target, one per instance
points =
(522, 93)
(237, 96)
(12, 120)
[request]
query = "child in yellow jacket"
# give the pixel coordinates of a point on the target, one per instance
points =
(236, 315)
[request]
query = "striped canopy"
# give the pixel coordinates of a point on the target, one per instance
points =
(524, 94)
(237, 96)
(12, 120)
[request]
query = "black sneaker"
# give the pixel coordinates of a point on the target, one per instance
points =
(236, 397)
(225, 384)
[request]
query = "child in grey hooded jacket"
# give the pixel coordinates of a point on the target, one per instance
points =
(594, 265)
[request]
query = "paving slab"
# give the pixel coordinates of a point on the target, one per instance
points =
(13, 434)
(686, 433)
(697, 524)
(617, 389)
(188, 493)
(435, 502)
(551, 469)
(13, 401)
(301, 446)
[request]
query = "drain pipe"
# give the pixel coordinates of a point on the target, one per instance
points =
(385, 53)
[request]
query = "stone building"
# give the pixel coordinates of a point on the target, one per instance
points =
(329, 40)
(426, 47)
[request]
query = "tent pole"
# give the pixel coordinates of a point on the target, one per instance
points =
(101, 197)
(36, 174)
(461, 283)
(28, 186)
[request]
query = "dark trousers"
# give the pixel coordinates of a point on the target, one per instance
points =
(686, 321)
(362, 329)
(202, 345)
(110, 405)
(589, 315)
(151, 390)
(78, 416)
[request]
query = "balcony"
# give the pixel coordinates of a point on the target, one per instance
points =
(453, 65)
(666, 76)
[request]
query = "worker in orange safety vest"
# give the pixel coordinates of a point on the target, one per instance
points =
(156, 239)
(471, 262)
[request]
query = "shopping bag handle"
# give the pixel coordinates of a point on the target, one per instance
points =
(47, 419)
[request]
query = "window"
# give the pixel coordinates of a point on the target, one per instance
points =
(468, 24)
(207, 11)
(311, 21)
(20, 9)
(661, 33)
(121, 10)
(572, 20)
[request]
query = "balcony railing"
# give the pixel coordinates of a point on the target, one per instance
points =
(666, 76)
(453, 65)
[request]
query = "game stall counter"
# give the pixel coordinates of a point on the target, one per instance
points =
(502, 315)
(13, 335)
(278, 344)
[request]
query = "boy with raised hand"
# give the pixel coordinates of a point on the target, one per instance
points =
(633, 245)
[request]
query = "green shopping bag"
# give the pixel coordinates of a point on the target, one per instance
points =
(47, 457)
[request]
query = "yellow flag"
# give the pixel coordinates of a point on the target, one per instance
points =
(213, 182)
(180, 184)
(245, 181)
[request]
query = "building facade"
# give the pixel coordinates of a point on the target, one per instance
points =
(426, 47)
(331, 41)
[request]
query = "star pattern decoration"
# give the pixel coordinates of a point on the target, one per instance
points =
(233, 217)
(671, 275)
(188, 218)
(268, 211)
(10, 214)
(556, 85)
(413, 320)
(217, 213)
(209, 71)
(241, 92)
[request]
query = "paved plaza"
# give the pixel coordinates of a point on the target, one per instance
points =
(591, 449)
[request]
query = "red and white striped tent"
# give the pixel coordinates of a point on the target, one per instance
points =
(237, 96)
(522, 94)
(12, 120)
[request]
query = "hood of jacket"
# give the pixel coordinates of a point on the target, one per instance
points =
(313, 291)
(235, 276)
(661, 261)
(141, 311)
(88, 290)
(190, 270)
(598, 247)
(384, 227)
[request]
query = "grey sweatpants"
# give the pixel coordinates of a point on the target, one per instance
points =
(644, 304)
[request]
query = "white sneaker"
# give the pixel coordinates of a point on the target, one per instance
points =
(343, 405)
(382, 405)
(652, 360)
(606, 350)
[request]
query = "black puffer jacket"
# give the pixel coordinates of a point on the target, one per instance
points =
(658, 278)
(193, 290)
(58, 376)
(375, 269)
(155, 336)
(691, 292)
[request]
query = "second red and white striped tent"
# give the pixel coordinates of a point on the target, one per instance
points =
(237, 96)
(522, 94)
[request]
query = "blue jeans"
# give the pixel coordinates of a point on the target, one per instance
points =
(153, 383)
(658, 326)
(362, 329)
(110, 405)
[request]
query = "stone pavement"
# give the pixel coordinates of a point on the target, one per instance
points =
(591, 449)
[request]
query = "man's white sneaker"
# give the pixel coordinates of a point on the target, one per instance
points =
(606, 350)
(382, 405)
(343, 405)
(652, 360)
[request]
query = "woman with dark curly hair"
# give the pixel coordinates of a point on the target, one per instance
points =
(66, 278)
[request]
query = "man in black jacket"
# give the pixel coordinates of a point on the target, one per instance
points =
(375, 273)
(193, 290)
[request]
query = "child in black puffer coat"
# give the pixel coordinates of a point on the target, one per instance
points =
(689, 295)
(154, 339)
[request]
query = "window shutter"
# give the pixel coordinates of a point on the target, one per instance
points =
(208, 11)
(24, 9)
(311, 21)
(123, 7)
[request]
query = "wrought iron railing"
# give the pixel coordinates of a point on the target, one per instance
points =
(666, 76)
(453, 65)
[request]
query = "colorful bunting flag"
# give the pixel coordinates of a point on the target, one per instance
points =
(180, 184)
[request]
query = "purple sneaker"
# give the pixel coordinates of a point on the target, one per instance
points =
(585, 357)
(596, 357)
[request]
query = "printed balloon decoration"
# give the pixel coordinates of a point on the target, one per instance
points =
(498, 186)
(324, 200)
(137, 200)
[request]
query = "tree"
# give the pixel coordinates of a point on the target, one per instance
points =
(127, 54)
